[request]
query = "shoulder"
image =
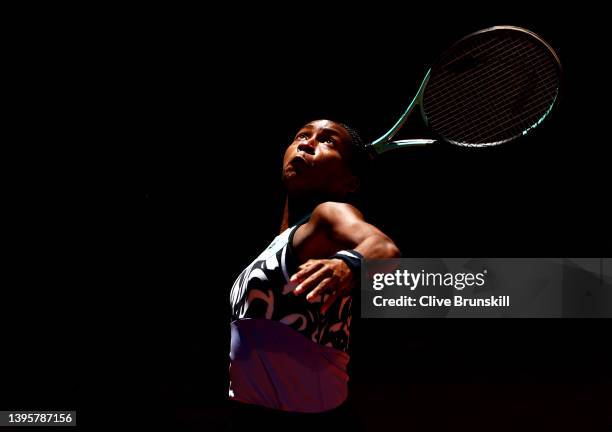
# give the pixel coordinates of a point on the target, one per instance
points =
(332, 213)
(326, 221)
(330, 228)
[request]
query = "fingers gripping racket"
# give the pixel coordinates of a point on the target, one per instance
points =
(490, 87)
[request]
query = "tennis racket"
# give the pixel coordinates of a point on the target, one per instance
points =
(491, 87)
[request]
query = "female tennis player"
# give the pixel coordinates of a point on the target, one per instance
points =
(291, 307)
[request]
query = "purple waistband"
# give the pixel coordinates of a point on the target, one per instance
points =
(274, 366)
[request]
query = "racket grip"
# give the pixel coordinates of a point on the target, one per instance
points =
(376, 150)
(412, 142)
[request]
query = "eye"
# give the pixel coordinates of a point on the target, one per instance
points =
(328, 140)
(302, 136)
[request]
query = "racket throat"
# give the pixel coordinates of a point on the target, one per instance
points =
(385, 143)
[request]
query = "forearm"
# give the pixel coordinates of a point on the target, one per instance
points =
(377, 246)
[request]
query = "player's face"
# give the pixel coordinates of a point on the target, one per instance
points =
(316, 160)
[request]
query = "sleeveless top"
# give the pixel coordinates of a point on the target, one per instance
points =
(284, 353)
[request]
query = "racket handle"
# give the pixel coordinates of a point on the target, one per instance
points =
(413, 142)
(375, 150)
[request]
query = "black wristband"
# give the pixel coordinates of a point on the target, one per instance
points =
(351, 258)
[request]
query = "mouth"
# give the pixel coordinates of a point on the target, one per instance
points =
(300, 162)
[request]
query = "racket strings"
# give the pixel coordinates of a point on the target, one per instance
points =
(511, 121)
(473, 50)
(478, 115)
(510, 125)
(493, 76)
(467, 99)
(508, 86)
(516, 125)
(455, 118)
(475, 82)
(468, 52)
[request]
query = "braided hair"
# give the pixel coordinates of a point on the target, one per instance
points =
(359, 156)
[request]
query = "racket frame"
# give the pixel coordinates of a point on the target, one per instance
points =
(385, 143)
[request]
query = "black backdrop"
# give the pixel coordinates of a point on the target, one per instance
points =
(212, 101)
(199, 103)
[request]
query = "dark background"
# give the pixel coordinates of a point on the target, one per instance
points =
(198, 105)
(222, 104)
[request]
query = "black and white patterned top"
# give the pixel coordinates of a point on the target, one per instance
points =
(263, 290)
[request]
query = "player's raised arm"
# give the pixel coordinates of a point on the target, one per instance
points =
(338, 232)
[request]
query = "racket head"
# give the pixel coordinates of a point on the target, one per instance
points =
(491, 87)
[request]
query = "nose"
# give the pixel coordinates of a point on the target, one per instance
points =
(307, 146)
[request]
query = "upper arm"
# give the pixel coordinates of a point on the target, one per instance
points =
(335, 226)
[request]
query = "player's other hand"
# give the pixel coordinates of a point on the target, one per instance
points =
(319, 277)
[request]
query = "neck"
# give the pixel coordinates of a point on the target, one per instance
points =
(296, 208)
